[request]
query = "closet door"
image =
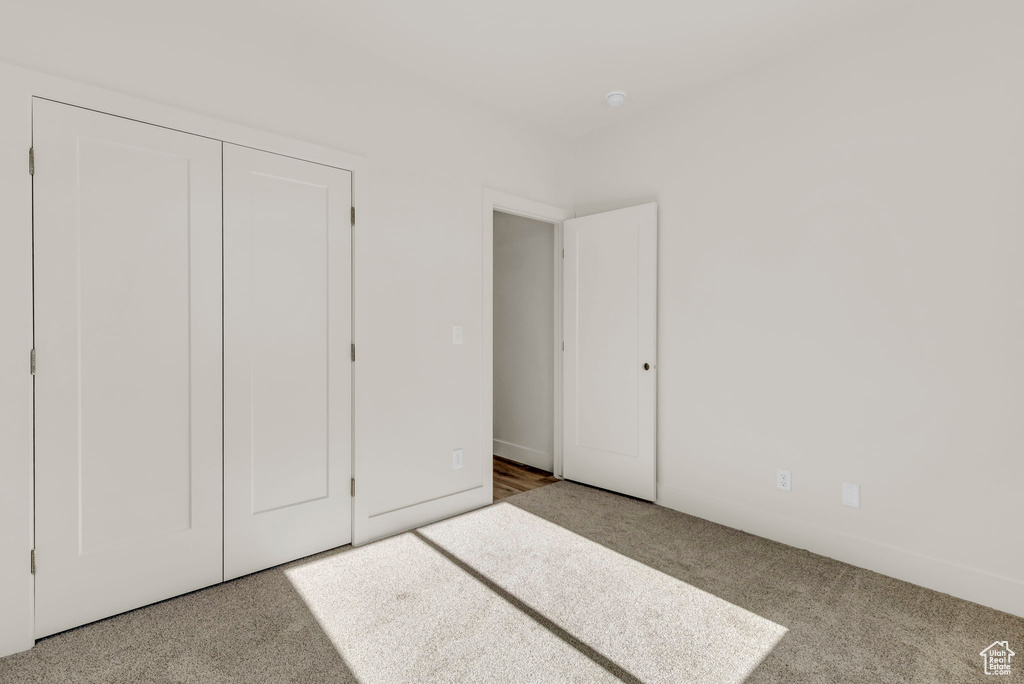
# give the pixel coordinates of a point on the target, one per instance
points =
(287, 366)
(127, 257)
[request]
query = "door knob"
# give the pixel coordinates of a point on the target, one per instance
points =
(647, 366)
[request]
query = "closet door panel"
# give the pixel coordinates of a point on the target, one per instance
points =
(287, 280)
(128, 389)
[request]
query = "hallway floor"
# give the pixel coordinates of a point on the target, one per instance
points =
(514, 478)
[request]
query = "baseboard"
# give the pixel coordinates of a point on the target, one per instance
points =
(407, 518)
(988, 589)
(524, 455)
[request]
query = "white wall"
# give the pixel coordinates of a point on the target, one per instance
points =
(840, 294)
(418, 249)
(524, 330)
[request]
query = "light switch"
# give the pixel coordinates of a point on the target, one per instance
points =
(456, 334)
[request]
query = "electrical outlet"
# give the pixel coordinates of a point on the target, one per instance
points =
(456, 334)
(783, 480)
(456, 459)
(851, 495)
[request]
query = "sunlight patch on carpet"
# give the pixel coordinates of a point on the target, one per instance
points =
(507, 603)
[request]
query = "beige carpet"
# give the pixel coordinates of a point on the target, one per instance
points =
(560, 584)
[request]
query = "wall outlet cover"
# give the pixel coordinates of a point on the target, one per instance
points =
(456, 459)
(851, 495)
(784, 480)
(456, 334)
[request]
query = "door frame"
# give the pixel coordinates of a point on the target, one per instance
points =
(538, 211)
(18, 87)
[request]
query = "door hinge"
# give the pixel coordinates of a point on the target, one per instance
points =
(353, 216)
(353, 351)
(32, 362)
(353, 486)
(31, 161)
(33, 562)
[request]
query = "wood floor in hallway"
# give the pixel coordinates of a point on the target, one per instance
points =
(512, 478)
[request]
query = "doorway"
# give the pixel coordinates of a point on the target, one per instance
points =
(524, 341)
(604, 343)
(518, 236)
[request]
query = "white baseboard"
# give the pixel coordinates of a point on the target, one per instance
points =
(524, 455)
(988, 589)
(407, 518)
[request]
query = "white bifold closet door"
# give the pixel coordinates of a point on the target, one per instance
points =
(287, 365)
(610, 329)
(127, 259)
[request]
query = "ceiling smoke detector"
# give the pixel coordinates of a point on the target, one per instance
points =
(615, 98)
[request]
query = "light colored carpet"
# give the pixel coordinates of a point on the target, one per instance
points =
(560, 584)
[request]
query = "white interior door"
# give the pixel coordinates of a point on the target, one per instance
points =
(287, 366)
(610, 332)
(127, 257)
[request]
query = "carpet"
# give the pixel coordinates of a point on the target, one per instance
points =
(564, 583)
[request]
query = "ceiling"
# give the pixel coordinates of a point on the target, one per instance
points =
(552, 61)
(547, 61)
